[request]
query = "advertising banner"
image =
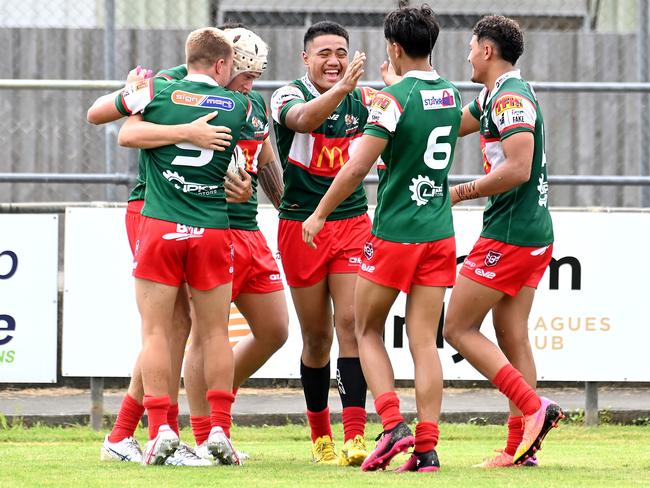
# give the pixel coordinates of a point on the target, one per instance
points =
(588, 321)
(28, 298)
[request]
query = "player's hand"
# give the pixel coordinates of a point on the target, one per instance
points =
(353, 73)
(388, 73)
(138, 73)
(310, 228)
(207, 136)
(454, 195)
(239, 187)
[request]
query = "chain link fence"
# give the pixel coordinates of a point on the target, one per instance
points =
(44, 131)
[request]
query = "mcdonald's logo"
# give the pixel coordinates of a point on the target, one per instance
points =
(331, 154)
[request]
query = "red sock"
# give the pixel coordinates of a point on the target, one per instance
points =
(511, 383)
(156, 412)
(127, 420)
(387, 406)
(220, 407)
(426, 436)
(354, 422)
(172, 417)
(515, 434)
(200, 428)
(235, 390)
(319, 423)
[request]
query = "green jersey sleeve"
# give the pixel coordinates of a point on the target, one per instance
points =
(365, 94)
(512, 113)
(283, 99)
(475, 107)
(135, 97)
(385, 113)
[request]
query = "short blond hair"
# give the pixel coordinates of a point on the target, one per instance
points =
(205, 46)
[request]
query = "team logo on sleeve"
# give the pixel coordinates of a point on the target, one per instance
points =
(437, 99)
(492, 258)
(508, 102)
(381, 102)
(182, 97)
(424, 189)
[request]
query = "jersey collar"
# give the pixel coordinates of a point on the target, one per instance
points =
(422, 75)
(201, 78)
(310, 86)
(515, 73)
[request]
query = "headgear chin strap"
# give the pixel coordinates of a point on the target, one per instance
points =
(250, 51)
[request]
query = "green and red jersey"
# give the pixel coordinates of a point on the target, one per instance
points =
(519, 216)
(311, 161)
(184, 183)
(242, 216)
(420, 117)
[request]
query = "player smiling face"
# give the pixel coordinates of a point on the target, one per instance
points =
(326, 58)
(476, 58)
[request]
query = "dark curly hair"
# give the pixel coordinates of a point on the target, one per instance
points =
(414, 28)
(505, 33)
(323, 28)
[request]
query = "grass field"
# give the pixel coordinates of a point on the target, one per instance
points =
(572, 456)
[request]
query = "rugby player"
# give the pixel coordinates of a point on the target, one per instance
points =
(413, 124)
(317, 121)
(120, 444)
(506, 264)
(184, 235)
(257, 286)
(257, 289)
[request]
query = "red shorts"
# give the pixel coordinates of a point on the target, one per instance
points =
(400, 265)
(339, 246)
(505, 267)
(171, 253)
(255, 268)
(133, 209)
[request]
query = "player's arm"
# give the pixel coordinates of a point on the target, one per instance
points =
(388, 74)
(308, 116)
(103, 110)
(269, 173)
(146, 135)
(468, 123)
(346, 181)
(514, 171)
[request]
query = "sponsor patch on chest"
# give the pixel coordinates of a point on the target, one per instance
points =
(182, 97)
(437, 99)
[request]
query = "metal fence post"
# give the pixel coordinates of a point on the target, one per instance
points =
(97, 403)
(644, 75)
(591, 403)
(109, 74)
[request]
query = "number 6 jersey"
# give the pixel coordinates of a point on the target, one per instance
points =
(420, 116)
